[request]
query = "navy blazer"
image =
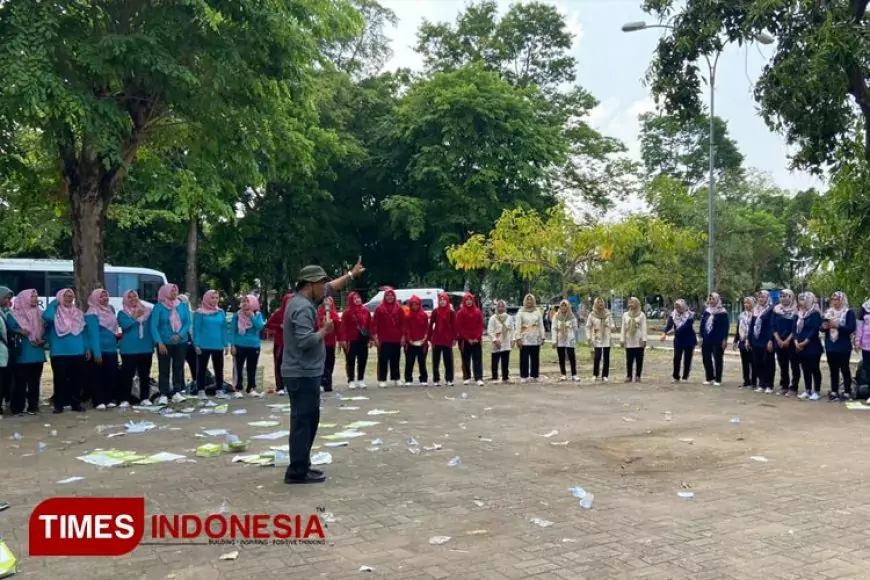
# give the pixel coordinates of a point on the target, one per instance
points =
(810, 330)
(845, 332)
(684, 337)
(719, 332)
(766, 334)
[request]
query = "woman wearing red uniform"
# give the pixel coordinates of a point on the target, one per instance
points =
(469, 331)
(416, 346)
(275, 325)
(329, 341)
(355, 336)
(442, 337)
(387, 328)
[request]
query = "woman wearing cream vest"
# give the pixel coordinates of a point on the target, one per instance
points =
(634, 340)
(530, 335)
(501, 333)
(599, 329)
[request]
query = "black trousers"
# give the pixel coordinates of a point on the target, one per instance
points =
(69, 372)
(462, 364)
(6, 379)
(277, 360)
(634, 362)
(172, 361)
(304, 395)
(445, 353)
(683, 362)
(501, 359)
(599, 356)
(247, 357)
(472, 361)
(838, 364)
(789, 368)
(389, 355)
(811, 369)
(530, 361)
(217, 363)
(190, 357)
(133, 365)
(328, 369)
(357, 357)
(749, 377)
(569, 353)
(416, 355)
(25, 387)
(713, 356)
(764, 364)
(104, 379)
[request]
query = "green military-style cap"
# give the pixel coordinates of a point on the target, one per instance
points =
(312, 274)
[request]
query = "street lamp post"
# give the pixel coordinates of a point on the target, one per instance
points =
(711, 179)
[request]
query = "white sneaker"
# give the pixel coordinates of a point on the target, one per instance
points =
(351, 385)
(717, 384)
(449, 383)
(281, 393)
(816, 397)
(606, 379)
(101, 407)
(436, 384)
(575, 379)
(111, 405)
(218, 395)
(254, 395)
(563, 378)
(201, 396)
(126, 405)
(145, 403)
(163, 400)
(768, 391)
(238, 395)
(424, 384)
(479, 383)
(178, 398)
(524, 381)
(707, 383)
(675, 381)
(805, 395)
(759, 389)
(394, 383)
(466, 382)
(361, 385)
(382, 385)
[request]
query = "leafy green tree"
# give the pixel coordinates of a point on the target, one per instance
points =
(529, 46)
(815, 86)
(99, 81)
(681, 148)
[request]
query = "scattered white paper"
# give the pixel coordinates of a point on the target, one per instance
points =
(629, 419)
(139, 426)
(230, 555)
(541, 522)
(240, 412)
(272, 436)
(321, 458)
(382, 412)
(264, 423)
(349, 434)
(216, 432)
(348, 408)
(433, 447)
(686, 494)
(552, 433)
(759, 458)
(361, 424)
(187, 410)
(357, 398)
(176, 415)
(377, 441)
(366, 569)
(559, 442)
(336, 444)
(72, 479)
(439, 540)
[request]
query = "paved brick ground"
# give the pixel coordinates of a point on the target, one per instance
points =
(802, 515)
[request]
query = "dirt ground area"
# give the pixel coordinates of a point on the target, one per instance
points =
(799, 513)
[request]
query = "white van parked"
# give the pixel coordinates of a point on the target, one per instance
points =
(428, 297)
(49, 277)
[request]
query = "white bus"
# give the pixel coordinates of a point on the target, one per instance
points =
(49, 277)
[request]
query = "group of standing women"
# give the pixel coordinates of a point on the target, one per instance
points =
(85, 347)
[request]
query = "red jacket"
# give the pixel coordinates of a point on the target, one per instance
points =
(388, 321)
(353, 318)
(416, 322)
(469, 321)
(442, 325)
(330, 339)
(275, 324)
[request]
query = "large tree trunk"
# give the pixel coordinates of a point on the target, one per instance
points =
(89, 208)
(190, 278)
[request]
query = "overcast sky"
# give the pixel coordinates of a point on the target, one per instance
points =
(611, 65)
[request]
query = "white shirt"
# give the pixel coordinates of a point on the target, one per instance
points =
(530, 327)
(639, 338)
(563, 331)
(500, 333)
(599, 330)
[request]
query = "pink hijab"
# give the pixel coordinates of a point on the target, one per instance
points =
(28, 317)
(131, 311)
(244, 319)
(68, 319)
(104, 313)
(171, 305)
(209, 303)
